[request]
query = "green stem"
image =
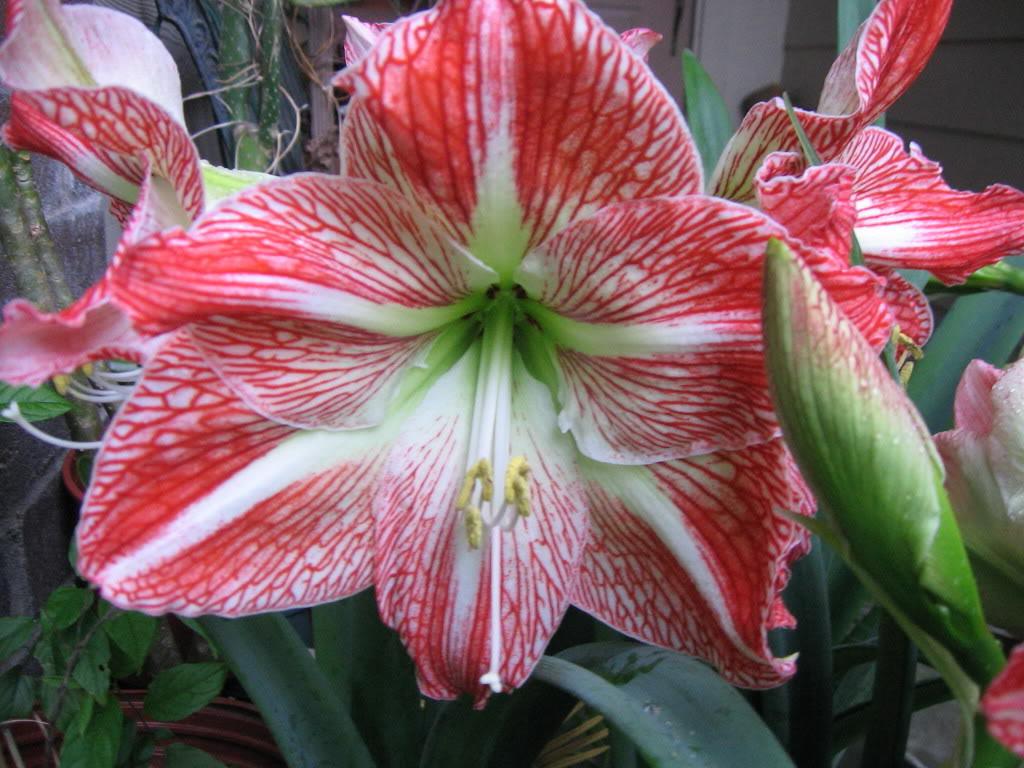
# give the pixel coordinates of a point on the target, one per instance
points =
(235, 63)
(988, 753)
(29, 274)
(270, 74)
(38, 231)
(995, 277)
(893, 698)
(811, 694)
(296, 700)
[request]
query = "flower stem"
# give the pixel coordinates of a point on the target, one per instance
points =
(893, 697)
(995, 277)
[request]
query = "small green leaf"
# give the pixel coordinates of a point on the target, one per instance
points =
(65, 606)
(132, 633)
(100, 743)
(17, 694)
(179, 691)
(706, 113)
(677, 711)
(92, 670)
(36, 404)
(14, 633)
(184, 756)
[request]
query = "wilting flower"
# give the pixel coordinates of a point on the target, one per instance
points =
(904, 214)
(1003, 704)
(984, 458)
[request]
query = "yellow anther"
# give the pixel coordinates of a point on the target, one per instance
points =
(474, 526)
(480, 471)
(517, 487)
(61, 382)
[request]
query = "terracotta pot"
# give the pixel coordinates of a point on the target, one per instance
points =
(230, 730)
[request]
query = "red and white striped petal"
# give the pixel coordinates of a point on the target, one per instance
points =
(1003, 704)
(198, 505)
(111, 138)
(640, 40)
(312, 247)
(907, 216)
(886, 55)
(655, 305)
(49, 45)
(360, 37)
(431, 585)
(814, 203)
(704, 551)
(306, 373)
(909, 306)
(513, 119)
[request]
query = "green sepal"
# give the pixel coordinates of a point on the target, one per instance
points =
(866, 453)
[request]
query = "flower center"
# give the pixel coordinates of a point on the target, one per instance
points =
(487, 507)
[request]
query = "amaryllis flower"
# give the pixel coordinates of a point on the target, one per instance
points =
(906, 216)
(508, 361)
(1003, 704)
(984, 459)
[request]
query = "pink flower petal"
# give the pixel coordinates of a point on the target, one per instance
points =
(360, 37)
(50, 45)
(908, 217)
(309, 247)
(704, 551)
(1003, 704)
(276, 519)
(883, 59)
(658, 325)
(973, 405)
(513, 119)
(641, 40)
(431, 586)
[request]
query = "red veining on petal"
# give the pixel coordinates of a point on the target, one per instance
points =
(288, 247)
(727, 504)
(544, 84)
(907, 216)
(105, 136)
(305, 373)
(307, 543)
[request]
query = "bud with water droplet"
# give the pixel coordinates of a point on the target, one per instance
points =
(868, 457)
(984, 458)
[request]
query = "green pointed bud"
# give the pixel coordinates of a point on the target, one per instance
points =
(867, 454)
(984, 459)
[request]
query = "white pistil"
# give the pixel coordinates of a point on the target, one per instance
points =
(13, 413)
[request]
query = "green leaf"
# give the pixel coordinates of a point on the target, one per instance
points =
(99, 744)
(184, 756)
(677, 711)
(132, 633)
(706, 113)
(92, 670)
(298, 704)
(361, 656)
(179, 691)
(65, 606)
(35, 404)
(14, 633)
(17, 694)
(851, 14)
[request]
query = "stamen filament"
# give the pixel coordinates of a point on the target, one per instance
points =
(13, 413)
